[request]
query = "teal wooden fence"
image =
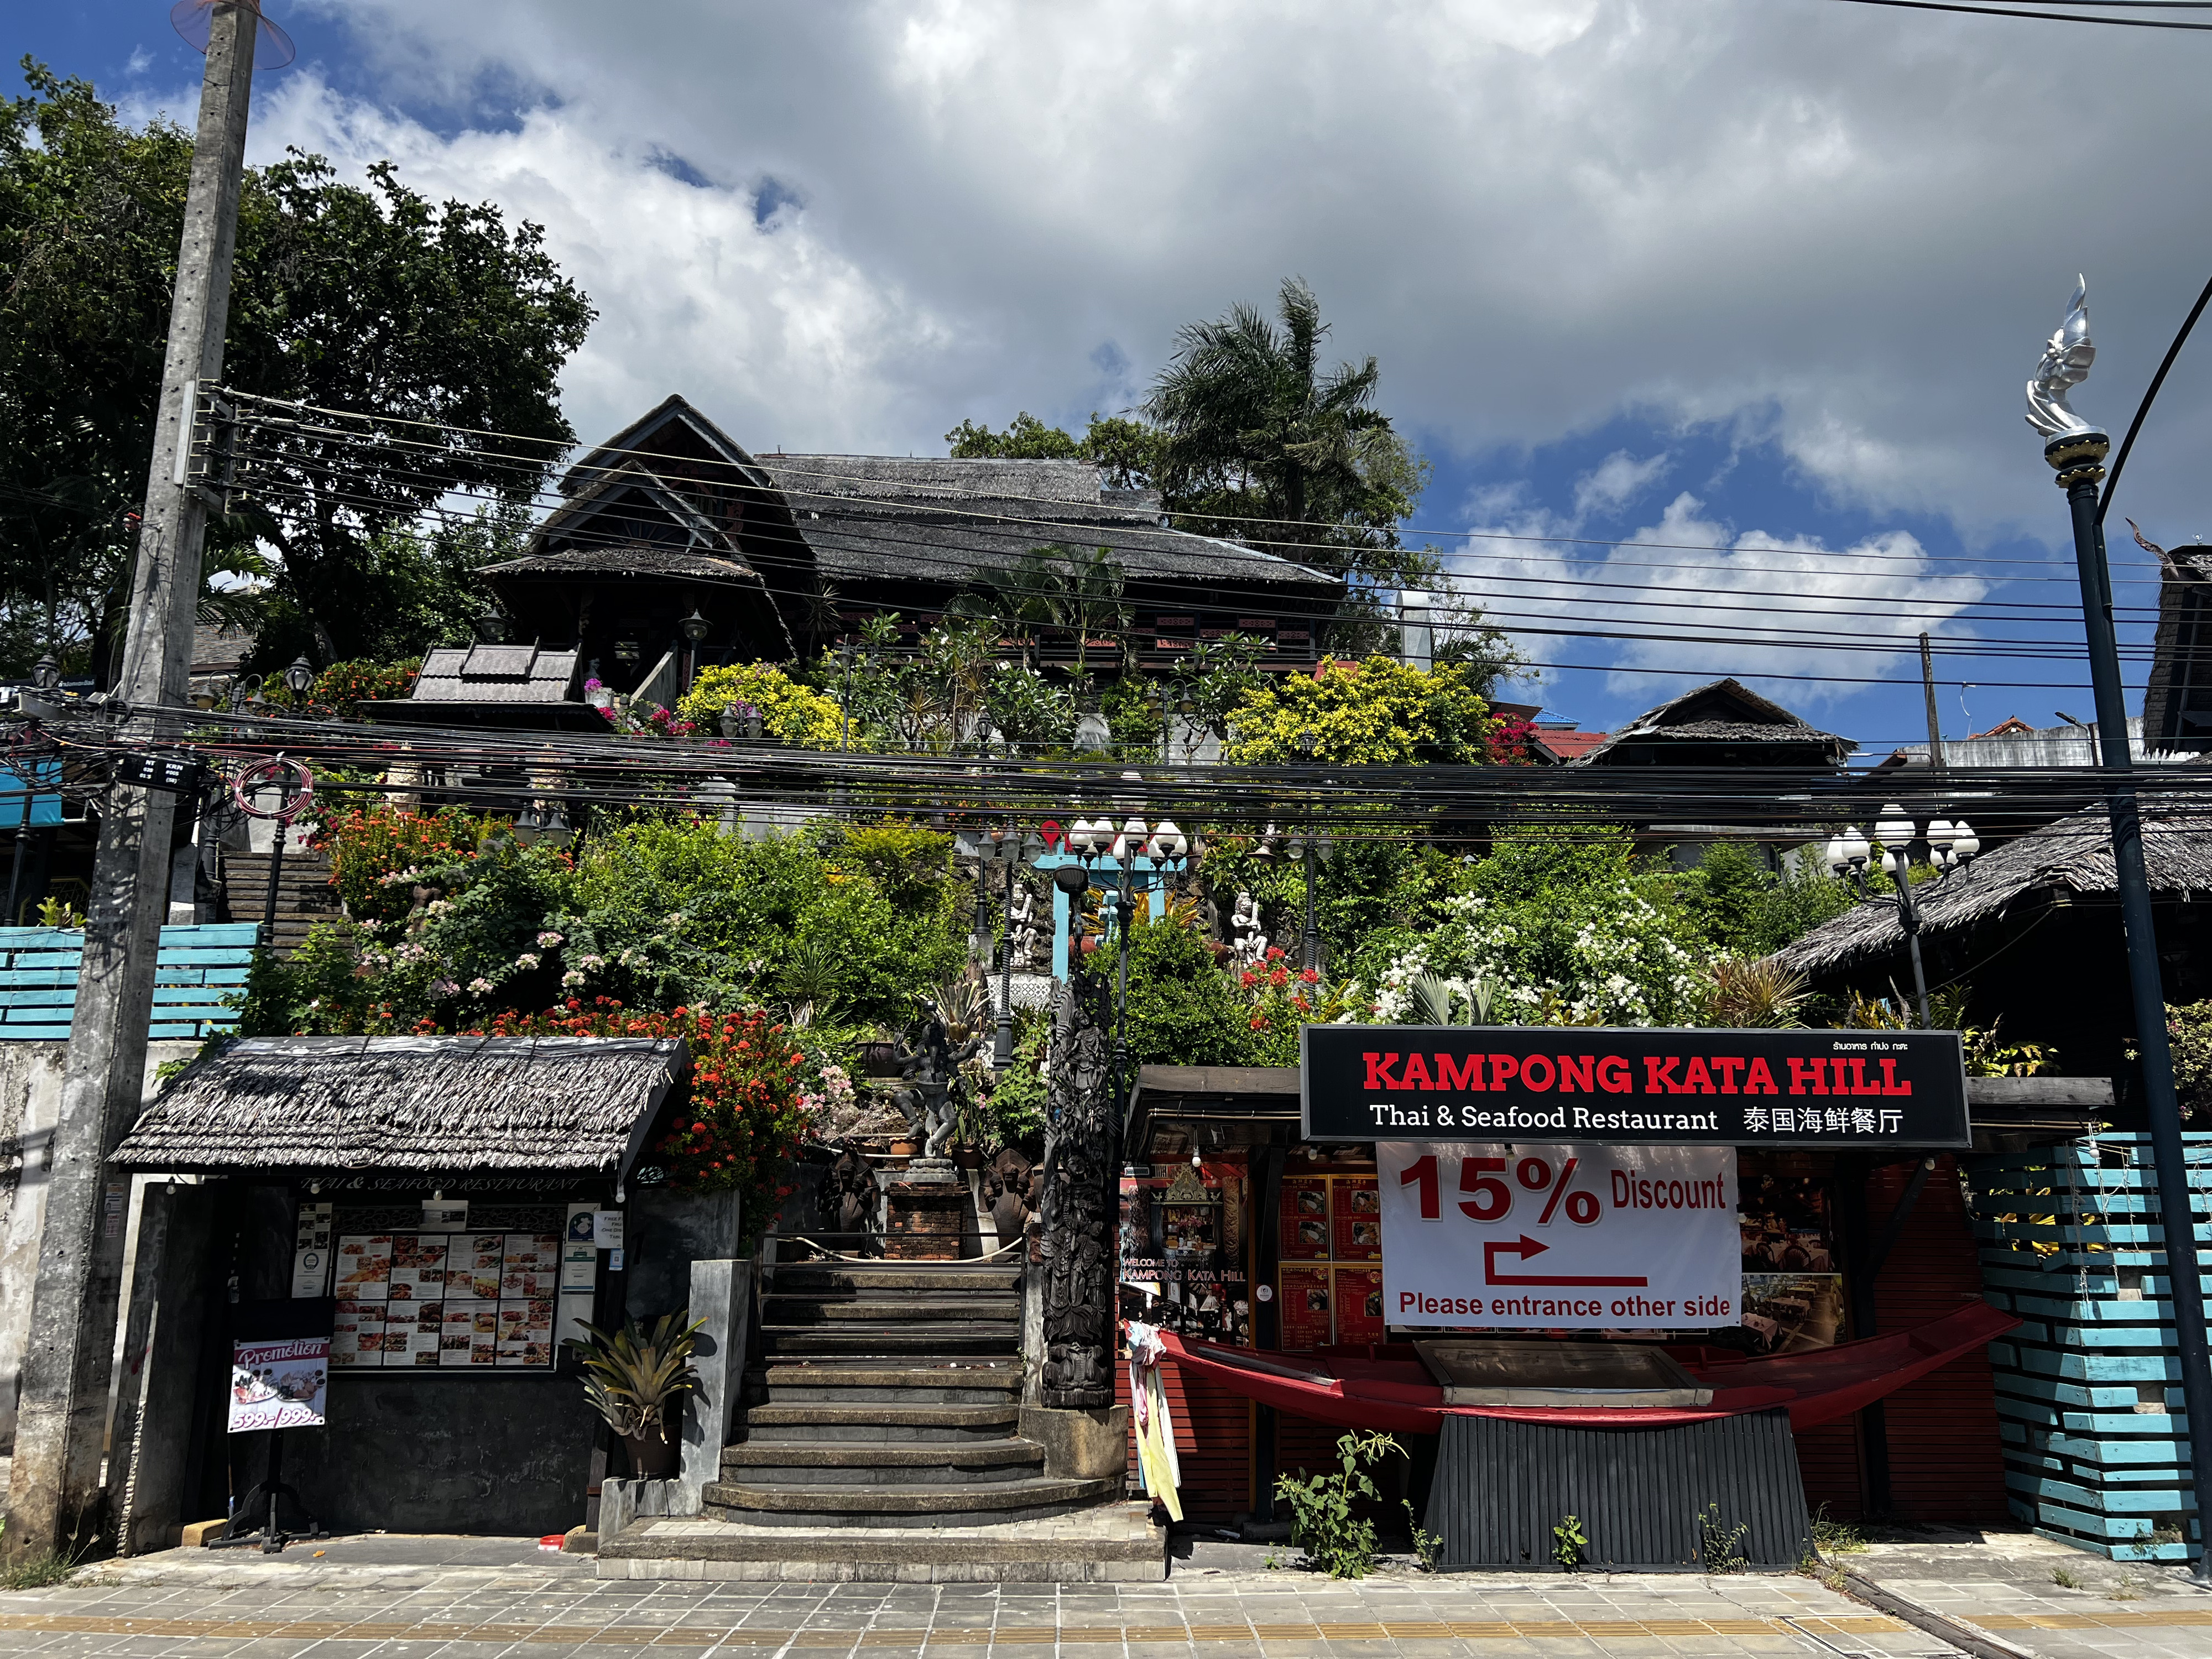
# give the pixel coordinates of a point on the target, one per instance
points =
(2089, 1387)
(198, 969)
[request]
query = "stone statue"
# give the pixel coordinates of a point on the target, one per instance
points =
(1009, 1183)
(929, 1098)
(1024, 931)
(2065, 365)
(1246, 944)
(1078, 1194)
(848, 1197)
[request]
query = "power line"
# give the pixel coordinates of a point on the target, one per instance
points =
(2053, 16)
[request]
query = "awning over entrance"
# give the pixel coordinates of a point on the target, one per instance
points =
(539, 1105)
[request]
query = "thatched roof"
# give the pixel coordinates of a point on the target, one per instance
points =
(2074, 854)
(448, 1103)
(629, 559)
(1722, 712)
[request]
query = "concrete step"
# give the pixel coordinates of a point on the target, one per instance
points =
(887, 1341)
(799, 1464)
(940, 1277)
(899, 1424)
(797, 1308)
(1107, 1543)
(967, 1504)
(862, 1381)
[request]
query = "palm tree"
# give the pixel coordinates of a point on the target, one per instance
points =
(1248, 411)
(1058, 587)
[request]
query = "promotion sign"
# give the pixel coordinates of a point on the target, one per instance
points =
(278, 1384)
(1558, 1237)
(1846, 1089)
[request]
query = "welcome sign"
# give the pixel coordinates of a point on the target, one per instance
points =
(1634, 1086)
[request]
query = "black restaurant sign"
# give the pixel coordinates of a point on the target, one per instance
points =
(1634, 1086)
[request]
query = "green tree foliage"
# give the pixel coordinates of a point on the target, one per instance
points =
(345, 297)
(1127, 450)
(1748, 910)
(1378, 713)
(455, 921)
(1183, 1008)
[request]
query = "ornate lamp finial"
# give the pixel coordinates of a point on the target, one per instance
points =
(2065, 365)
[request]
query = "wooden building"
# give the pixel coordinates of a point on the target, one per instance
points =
(773, 556)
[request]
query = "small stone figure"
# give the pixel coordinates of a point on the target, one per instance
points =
(848, 1196)
(1246, 944)
(930, 1097)
(1007, 1182)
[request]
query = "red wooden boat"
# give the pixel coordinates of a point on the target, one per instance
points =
(1392, 1390)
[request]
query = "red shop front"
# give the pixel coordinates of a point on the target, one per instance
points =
(1238, 1228)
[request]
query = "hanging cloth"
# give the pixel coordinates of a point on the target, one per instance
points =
(1158, 1469)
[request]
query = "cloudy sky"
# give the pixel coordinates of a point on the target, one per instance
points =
(1713, 315)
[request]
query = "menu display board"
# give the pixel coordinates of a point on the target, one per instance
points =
(1357, 1219)
(1305, 1303)
(1305, 1219)
(421, 1299)
(1358, 1298)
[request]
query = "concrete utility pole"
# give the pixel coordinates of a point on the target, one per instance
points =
(53, 1489)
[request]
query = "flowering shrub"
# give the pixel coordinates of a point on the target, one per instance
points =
(742, 1114)
(345, 682)
(1378, 713)
(791, 713)
(1283, 997)
(378, 855)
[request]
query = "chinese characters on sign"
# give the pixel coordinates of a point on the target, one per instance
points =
(1635, 1086)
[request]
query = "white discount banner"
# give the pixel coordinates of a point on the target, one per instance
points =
(1558, 1237)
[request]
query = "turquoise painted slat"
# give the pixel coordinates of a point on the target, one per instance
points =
(14, 1033)
(2168, 1452)
(10, 979)
(2147, 1500)
(39, 997)
(198, 970)
(195, 958)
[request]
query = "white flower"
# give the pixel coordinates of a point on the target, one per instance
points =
(549, 939)
(572, 977)
(481, 986)
(591, 962)
(444, 987)
(527, 959)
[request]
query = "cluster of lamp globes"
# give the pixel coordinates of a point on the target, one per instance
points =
(1950, 846)
(1135, 838)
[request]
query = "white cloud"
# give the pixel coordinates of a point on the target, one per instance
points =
(1616, 481)
(1851, 222)
(1689, 593)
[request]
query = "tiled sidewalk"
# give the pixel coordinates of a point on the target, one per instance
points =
(2057, 1603)
(467, 1600)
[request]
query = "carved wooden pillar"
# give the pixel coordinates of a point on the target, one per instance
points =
(1080, 1189)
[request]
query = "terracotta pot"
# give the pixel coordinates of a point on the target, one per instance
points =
(651, 1458)
(903, 1149)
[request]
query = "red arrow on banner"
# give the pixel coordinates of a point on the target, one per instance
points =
(1525, 1247)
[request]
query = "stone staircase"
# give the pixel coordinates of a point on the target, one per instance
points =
(883, 1440)
(304, 893)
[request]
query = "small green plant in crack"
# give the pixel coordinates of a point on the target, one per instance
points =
(1428, 1548)
(1717, 1541)
(2065, 1578)
(1834, 1537)
(1569, 1545)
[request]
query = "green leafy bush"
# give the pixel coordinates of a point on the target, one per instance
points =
(1323, 1519)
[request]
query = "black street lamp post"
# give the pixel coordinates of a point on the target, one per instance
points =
(2075, 451)
(1951, 848)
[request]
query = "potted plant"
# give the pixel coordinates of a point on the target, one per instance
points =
(634, 1377)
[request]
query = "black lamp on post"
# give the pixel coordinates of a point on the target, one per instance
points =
(299, 678)
(46, 673)
(695, 629)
